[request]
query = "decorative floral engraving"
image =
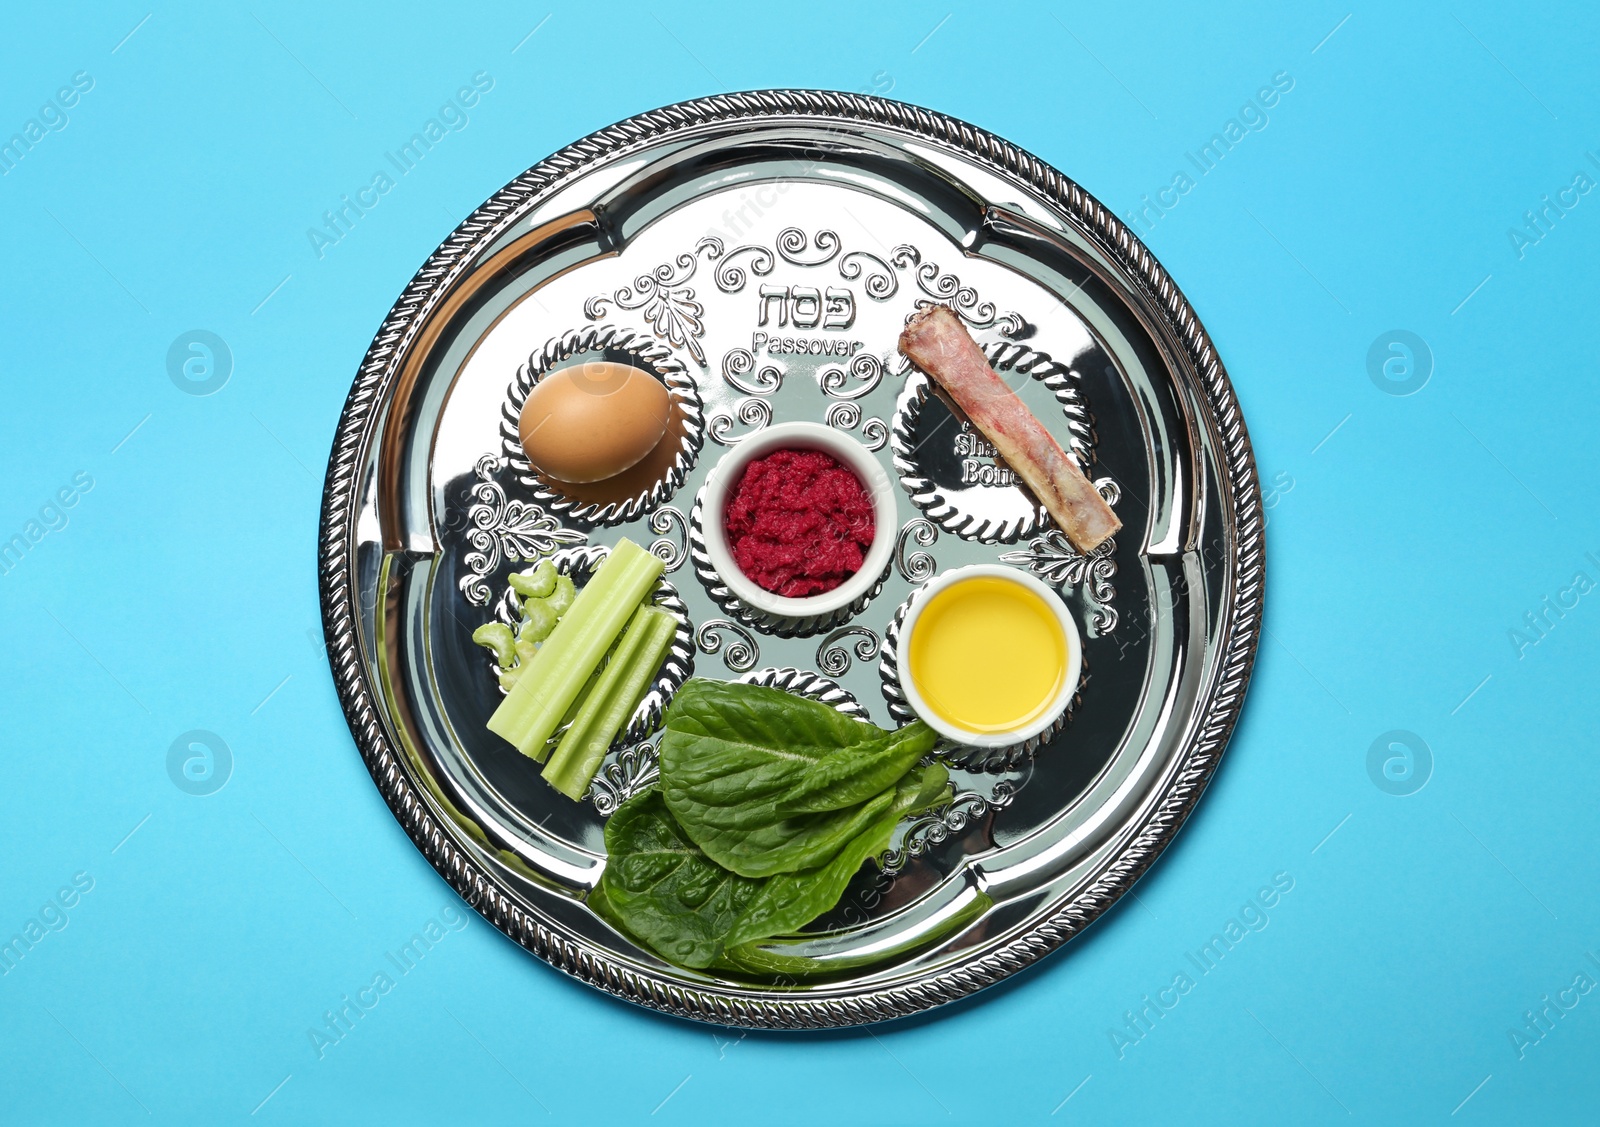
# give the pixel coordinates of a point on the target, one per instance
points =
(864, 366)
(833, 656)
(846, 415)
(1053, 558)
(731, 278)
(918, 567)
(946, 289)
(504, 529)
(668, 519)
(635, 768)
(667, 303)
(754, 413)
(739, 362)
(742, 653)
(881, 283)
(792, 243)
(938, 824)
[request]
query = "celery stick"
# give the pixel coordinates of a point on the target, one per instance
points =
(538, 755)
(590, 709)
(550, 683)
(611, 702)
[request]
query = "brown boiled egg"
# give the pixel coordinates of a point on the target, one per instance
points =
(592, 421)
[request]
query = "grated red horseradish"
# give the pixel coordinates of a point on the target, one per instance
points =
(799, 523)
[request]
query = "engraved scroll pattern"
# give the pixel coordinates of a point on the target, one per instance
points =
(1052, 558)
(667, 303)
(504, 529)
(676, 316)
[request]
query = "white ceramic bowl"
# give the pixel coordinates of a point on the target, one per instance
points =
(799, 436)
(1069, 683)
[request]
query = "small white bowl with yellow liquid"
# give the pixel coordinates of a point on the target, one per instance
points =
(989, 655)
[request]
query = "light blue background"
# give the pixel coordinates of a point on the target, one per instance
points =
(181, 594)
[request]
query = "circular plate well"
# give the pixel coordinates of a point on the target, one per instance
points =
(774, 243)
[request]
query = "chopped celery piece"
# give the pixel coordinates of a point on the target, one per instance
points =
(536, 583)
(562, 595)
(610, 703)
(497, 636)
(533, 709)
(538, 619)
(509, 677)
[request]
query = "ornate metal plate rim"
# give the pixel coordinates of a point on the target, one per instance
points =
(1222, 698)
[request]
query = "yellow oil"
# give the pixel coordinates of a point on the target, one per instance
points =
(987, 655)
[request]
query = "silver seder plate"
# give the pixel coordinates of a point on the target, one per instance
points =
(759, 253)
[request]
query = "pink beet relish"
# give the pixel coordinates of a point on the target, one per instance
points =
(799, 522)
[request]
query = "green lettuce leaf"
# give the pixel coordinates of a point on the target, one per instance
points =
(787, 902)
(774, 958)
(767, 782)
(660, 889)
